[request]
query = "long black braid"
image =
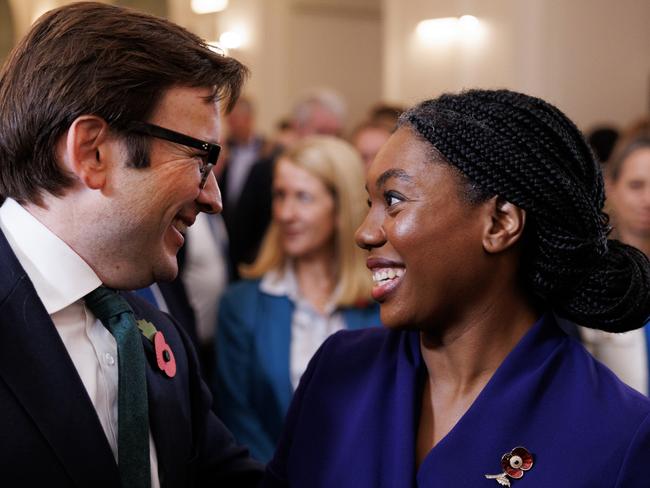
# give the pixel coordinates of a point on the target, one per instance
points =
(528, 152)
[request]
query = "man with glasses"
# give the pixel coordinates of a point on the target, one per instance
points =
(109, 121)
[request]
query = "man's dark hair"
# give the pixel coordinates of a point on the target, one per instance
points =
(95, 59)
(529, 153)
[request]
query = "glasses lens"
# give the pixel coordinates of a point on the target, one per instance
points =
(213, 156)
(205, 172)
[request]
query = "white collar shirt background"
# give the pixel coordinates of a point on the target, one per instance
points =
(625, 354)
(309, 327)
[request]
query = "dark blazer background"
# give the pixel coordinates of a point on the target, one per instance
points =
(247, 220)
(50, 434)
(178, 304)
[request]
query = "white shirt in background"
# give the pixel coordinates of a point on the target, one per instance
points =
(309, 328)
(205, 271)
(625, 354)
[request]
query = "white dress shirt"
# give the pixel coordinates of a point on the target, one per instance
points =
(61, 279)
(625, 354)
(205, 272)
(309, 328)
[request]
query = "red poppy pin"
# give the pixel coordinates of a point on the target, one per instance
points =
(514, 463)
(164, 356)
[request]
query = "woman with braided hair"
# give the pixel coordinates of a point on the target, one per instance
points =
(485, 222)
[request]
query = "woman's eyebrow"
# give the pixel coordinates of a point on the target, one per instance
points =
(392, 173)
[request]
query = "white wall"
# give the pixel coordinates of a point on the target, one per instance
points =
(337, 44)
(293, 46)
(24, 12)
(589, 57)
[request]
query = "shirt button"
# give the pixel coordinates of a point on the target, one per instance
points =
(109, 359)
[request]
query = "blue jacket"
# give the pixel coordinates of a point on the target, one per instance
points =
(353, 420)
(253, 386)
(50, 434)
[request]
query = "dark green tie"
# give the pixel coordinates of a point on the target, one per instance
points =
(133, 418)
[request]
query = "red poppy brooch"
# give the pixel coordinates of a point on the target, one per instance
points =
(514, 463)
(164, 356)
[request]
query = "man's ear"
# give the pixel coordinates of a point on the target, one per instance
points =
(506, 225)
(87, 151)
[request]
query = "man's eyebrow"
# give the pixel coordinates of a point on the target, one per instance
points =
(392, 173)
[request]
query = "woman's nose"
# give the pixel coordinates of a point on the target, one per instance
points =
(370, 233)
(284, 209)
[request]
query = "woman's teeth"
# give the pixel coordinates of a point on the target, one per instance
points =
(384, 274)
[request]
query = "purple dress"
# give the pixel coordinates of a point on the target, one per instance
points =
(353, 420)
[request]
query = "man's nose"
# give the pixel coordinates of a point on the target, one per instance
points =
(209, 199)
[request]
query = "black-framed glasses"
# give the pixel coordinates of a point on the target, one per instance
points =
(212, 150)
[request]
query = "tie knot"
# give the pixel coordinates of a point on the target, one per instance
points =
(106, 303)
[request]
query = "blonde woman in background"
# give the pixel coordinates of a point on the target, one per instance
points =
(309, 281)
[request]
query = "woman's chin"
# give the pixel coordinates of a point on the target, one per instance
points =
(393, 319)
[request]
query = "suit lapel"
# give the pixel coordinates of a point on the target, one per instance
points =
(170, 417)
(275, 313)
(167, 417)
(37, 368)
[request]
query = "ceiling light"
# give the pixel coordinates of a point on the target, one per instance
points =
(231, 39)
(208, 6)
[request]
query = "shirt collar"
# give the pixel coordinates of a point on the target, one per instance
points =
(59, 275)
(283, 282)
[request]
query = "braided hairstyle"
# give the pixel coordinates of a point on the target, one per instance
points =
(529, 153)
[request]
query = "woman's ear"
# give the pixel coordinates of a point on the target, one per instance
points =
(85, 145)
(506, 225)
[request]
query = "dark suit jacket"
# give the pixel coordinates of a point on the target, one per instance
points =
(247, 220)
(179, 307)
(50, 434)
(353, 420)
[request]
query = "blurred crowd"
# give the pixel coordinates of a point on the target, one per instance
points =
(624, 155)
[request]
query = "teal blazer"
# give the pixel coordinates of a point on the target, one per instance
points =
(252, 386)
